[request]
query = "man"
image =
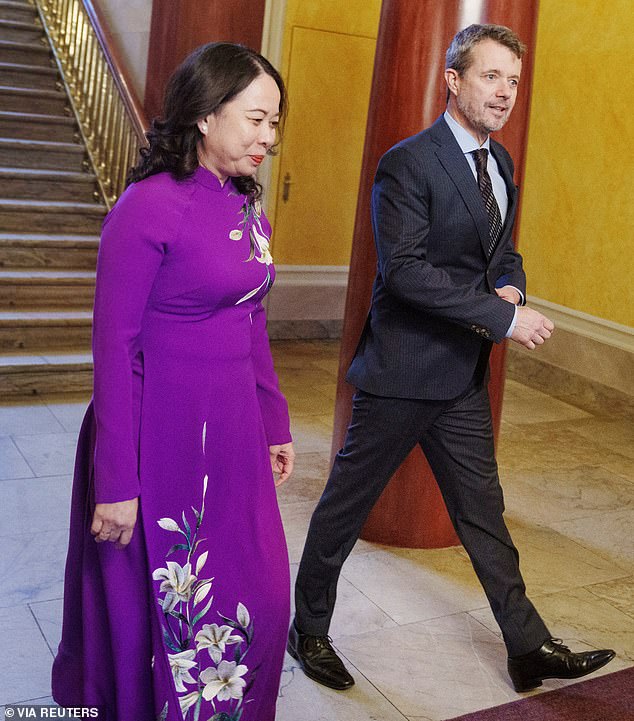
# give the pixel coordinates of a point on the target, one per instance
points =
(449, 284)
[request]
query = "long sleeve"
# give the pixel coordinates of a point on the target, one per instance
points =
(272, 403)
(130, 255)
(401, 222)
(511, 271)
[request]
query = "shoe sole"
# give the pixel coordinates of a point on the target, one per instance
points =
(537, 682)
(313, 677)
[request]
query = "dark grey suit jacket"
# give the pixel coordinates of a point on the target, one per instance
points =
(434, 309)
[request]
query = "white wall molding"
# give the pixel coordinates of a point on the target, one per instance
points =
(308, 292)
(594, 354)
(319, 275)
(586, 325)
(317, 292)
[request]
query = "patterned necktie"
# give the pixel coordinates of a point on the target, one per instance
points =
(486, 190)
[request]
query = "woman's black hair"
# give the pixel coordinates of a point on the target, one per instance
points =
(209, 77)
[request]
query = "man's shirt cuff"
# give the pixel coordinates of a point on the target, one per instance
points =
(509, 332)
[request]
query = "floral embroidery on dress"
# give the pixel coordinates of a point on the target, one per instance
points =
(206, 659)
(252, 219)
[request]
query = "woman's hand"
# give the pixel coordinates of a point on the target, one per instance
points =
(115, 522)
(282, 461)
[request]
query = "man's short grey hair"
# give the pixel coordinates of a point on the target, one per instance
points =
(458, 54)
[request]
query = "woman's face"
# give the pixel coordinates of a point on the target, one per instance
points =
(236, 138)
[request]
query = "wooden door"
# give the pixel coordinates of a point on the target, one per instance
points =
(329, 77)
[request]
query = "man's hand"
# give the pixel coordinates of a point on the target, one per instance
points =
(509, 293)
(282, 461)
(531, 328)
(115, 522)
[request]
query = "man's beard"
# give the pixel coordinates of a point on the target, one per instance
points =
(478, 121)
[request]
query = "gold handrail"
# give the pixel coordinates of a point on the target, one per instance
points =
(111, 119)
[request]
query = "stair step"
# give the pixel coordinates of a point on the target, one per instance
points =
(42, 250)
(49, 220)
(21, 11)
(31, 183)
(45, 289)
(23, 376)
(45, 331)
(39, 54)
(31, 126)
(29, 76)
(24, 12)
(21, 32)
(42, 154)
(34, 100)
(55, 216)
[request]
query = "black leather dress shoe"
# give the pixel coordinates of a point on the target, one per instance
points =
(318, 659)
(554, 660)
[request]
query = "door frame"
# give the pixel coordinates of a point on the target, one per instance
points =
(272, 42)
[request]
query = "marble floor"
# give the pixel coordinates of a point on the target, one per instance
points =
(413, 625)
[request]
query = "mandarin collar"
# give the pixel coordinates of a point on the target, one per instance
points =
(205, 177)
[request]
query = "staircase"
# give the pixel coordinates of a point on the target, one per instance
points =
(51, 212)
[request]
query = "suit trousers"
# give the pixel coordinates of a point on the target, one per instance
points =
(456, 436)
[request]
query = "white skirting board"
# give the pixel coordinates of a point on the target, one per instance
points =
(318, 292)
(588, 347)
(586, 325)
(308, 293)
(308, 301)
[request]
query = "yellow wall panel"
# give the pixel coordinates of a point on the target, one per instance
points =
(323, 147)
(577, 225)
(356, 17)
(327, 63)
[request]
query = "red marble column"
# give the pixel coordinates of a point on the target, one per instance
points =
(179, 26)
(408, 94)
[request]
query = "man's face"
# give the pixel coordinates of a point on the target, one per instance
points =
(485, 95)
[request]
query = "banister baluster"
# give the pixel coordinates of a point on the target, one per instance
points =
(110, 116)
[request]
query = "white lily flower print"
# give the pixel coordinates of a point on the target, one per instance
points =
(202, 559)
(253, 292)
(215, 639)
(186, 702)
(177, 582)
(259, 240)
(168, 524)
(224, 682)
(186, 601)
(242, 615)
(181, 663)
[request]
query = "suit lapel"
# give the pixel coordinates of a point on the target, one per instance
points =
(455, 164)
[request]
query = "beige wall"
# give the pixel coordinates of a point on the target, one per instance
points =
(577, 225)
(129, 22)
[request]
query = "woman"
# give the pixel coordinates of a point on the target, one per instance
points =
(180, 609)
